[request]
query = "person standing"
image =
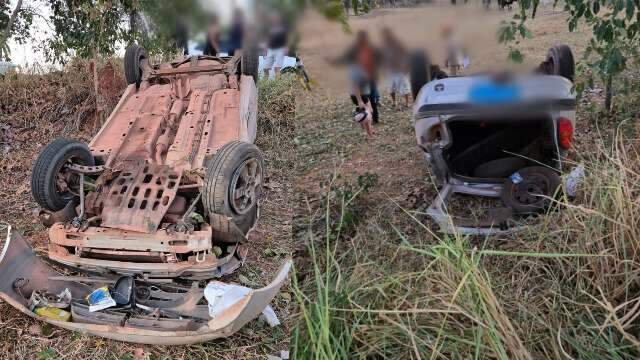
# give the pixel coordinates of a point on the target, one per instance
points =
(212, 46)
(236, 32)
(362, 58)
(394, 56)
(278, 39)
(455, 54)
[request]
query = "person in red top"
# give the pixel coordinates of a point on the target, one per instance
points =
(366, 57)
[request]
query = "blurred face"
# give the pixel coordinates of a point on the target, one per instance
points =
(362, 39)
(275, 19)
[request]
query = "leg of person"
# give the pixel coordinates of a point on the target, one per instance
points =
(375, 98)
(279, 60)
(393, 99)
(269, 61)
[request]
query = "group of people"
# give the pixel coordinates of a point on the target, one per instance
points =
(366, 62)
(276, 35)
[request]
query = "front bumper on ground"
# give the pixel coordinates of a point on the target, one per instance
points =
(105, 250)
(19, 264)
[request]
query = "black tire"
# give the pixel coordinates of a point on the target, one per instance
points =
(132, 64)
(561, 61)
(47, 167)
(499, 168)
(249, 62)
(420, 71)
(534, 193)
(220, 183)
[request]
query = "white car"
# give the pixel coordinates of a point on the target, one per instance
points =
(500, 135)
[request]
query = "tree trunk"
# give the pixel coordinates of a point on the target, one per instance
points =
(6, 35)
(608, 92)
(133, 28)
(96, 89)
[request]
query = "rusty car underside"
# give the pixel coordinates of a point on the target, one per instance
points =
(139, 206)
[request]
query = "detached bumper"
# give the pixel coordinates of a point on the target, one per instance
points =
(19, 263)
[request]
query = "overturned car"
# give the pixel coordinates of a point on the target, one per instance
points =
(503, 136)
(170, 185)
(160, 199)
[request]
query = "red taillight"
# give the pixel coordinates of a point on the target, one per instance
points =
(565, 133)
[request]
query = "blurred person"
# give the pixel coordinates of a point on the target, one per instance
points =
(212, 45)
(364, 55)
(236, 31)
(361, 97)
(453, 48)
(394, 59)
(278, 39)
(181, 36)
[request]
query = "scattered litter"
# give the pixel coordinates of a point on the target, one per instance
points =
(42, 298)
(100, 299)
(284, 354)
(53, 313)
(574, 179)
(516, 178)
(221, 297)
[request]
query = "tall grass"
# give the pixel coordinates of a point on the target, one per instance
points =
(565, 288)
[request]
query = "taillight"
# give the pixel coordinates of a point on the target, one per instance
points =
(565, 133)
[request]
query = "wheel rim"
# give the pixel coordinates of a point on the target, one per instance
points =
(245, 186)
(531, 191)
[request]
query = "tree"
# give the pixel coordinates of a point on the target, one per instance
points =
(89, 29)
(15, 23)
(615, 25)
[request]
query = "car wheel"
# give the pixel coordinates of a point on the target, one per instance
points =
(133, 57)
(533, 190)
(499, 168)
(561, 63)
(249, 62)
(420, 71)
(52, 185)
(233, 184)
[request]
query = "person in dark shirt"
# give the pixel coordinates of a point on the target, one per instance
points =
(277, 42)
(236, 32)
(212, 46)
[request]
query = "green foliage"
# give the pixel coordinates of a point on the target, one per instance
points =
(157, 34)
(85, 27)
(20, 28)
(614, 23)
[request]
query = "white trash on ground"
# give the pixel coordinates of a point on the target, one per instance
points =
(221, 296)
(574, 179)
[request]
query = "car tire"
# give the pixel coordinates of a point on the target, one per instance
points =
(249, 62)
(561, 61)
(499, 168)
(226, 179)
(49, 164)
(420, 71)
(534, 192)
(133, 57)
